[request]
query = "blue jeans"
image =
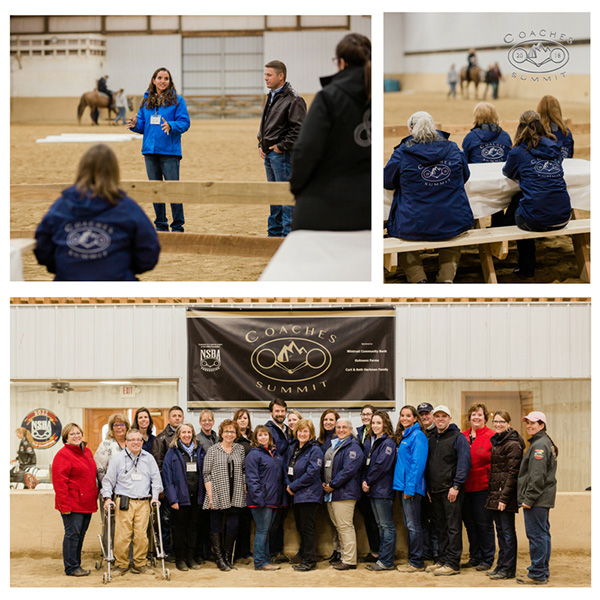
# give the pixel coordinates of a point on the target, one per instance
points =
(278, 166)
(479, 523)
(159, 167)
(507, 541)
(263, 518)
(76, 525)
(537, 528)
(383, 513)
(411, 511)
(121, 115)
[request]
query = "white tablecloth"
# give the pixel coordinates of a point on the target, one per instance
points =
(307, 255)
(489, 191)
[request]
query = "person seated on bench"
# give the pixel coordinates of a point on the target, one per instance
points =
(427, 173)
(543, 204)
(551, 115)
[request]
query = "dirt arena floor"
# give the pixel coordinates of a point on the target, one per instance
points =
(213, 150)
(567, 570)
(555, 256)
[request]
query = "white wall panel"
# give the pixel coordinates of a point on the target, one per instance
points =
(459, 347)
(438, 317)
(498, 323)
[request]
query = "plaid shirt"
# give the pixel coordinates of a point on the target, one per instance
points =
(216, 470)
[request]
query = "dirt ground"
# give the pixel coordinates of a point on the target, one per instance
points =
(555, 256)
(213, 150)
(567, 570)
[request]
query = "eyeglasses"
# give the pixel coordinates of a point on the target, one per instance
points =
(498, 422)
(229, 433)
(119, 425)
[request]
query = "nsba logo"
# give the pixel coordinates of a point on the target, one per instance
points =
(44, 426)
(291, 359)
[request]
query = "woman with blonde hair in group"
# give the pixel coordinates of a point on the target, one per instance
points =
(293, 416)
(551, 115)
(487, 141)
(428, 173)
(118, 426)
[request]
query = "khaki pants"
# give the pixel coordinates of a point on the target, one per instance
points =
(341, 513)
(413, 267)
(131, 523)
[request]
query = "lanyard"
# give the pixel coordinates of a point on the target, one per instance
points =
(135, 462)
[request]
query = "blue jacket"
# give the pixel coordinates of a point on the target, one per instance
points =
(430, 202)
(346, 470)
(329, 435)
(147, 446)
(378, 471)
(409, 474)
(264, 478)
(540, 175)
(486, 143)
(564, 141)
(174, 477)
(305, 481)
(280, 439)
(156, 141)
(89, 239)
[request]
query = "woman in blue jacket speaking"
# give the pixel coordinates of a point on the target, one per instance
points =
(543, 204)
(377, 477)
(409, 480)
(303, 483)
(341, 482)
(162, 118)
(264, 481)
(427, 173)
(184, 491)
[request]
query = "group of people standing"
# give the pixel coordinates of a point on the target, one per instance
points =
(428, 172)
(212, 486)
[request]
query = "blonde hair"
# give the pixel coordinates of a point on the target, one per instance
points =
(549, 110)
(118, 417)
(422, 127)
(484, 112)
(98, 172)
(177, 435)
(302, 424)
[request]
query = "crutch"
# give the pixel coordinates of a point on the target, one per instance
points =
(107, 546)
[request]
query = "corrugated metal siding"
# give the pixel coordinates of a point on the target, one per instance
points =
(459, 341)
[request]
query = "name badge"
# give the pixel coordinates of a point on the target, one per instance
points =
(136, 476)
(155, 120)
(368, 462)
(290, 470)
(327, 464)
(191, 467)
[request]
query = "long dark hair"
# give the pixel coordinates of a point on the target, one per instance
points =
(387, 424)
(400, 427)
(150, 424)
(237, 414)
(321, 428)
(168, 98)
(355, 49)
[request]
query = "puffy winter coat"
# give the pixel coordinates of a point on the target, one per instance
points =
(264, 478)
(486, 142)
(481, 456)
(409, 473)
(536, 485)
(507, 454)
(74, 480)
(378, 472)
(174, 476)
(86, 238)
(156, 141)
(540, 175)
(305, 478)
(430, 202)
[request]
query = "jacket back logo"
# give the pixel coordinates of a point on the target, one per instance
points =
(492, 152)
(436, 173)
(88, 239)
(291, 359)
(546, 167)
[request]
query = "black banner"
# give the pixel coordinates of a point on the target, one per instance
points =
(339, 358)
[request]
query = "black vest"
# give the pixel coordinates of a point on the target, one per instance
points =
(442, 460)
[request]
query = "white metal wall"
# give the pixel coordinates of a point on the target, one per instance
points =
(434, 341)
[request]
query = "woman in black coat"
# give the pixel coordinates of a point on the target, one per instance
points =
(507, 453)
(331, 159)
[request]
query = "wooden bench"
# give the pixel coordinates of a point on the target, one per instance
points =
(484, 238)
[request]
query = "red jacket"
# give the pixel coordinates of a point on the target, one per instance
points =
(74, 480)
(481, 459)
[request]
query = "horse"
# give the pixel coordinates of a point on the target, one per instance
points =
(95, 100)
(477, 76)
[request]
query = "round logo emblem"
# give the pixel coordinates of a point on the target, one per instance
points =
(44, 426)
(492, 152)
(88, 240)
(538, 56)
(546, 167)
(291, 359)
(436, 173)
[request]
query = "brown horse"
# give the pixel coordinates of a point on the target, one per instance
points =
(477, 76)
(95, 100)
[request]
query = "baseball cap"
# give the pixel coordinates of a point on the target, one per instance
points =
(442, 408)
(424, 407)
(535, 415)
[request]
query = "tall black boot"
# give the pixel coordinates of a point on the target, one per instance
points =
(215, 539)
(229, 542)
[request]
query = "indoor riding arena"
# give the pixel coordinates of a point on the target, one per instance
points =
(217, 64)
(81, 359)
(419, 50)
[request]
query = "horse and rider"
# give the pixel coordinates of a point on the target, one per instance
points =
(472, 72)
(101, 97)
